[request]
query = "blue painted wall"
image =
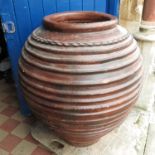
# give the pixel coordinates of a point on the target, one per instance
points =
(27, 15)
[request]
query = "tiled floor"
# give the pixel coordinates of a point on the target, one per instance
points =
(15, 137)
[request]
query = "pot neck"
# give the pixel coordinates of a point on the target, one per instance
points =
(79, 22)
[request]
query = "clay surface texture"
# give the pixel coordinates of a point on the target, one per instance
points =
(81, 74)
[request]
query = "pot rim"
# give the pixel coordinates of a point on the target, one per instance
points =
(86, 21)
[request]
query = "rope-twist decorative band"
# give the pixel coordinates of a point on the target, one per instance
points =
(77, 44)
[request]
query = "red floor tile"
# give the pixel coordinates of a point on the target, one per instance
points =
(10, 142)
(31, 139)
(40, 151)
(9, 125)
(9, 111)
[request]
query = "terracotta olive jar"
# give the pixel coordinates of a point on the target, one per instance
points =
(81, 74)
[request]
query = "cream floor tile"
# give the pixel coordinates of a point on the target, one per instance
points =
(18, 116)
(3, 118)
(24, 148)
(3, 152)
(3, 134)
(22, 130)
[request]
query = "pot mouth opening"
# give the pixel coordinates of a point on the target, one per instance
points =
(79, 22)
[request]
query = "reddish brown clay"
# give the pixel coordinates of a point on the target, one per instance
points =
(81, 73)
(149, 10)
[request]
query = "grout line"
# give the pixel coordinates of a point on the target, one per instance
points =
(140, 108)
(146, 139)
(43, 8)
(56, 5)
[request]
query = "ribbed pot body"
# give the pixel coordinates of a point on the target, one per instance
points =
(81, 73)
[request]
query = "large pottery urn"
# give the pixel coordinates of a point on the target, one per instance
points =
(81, 74)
